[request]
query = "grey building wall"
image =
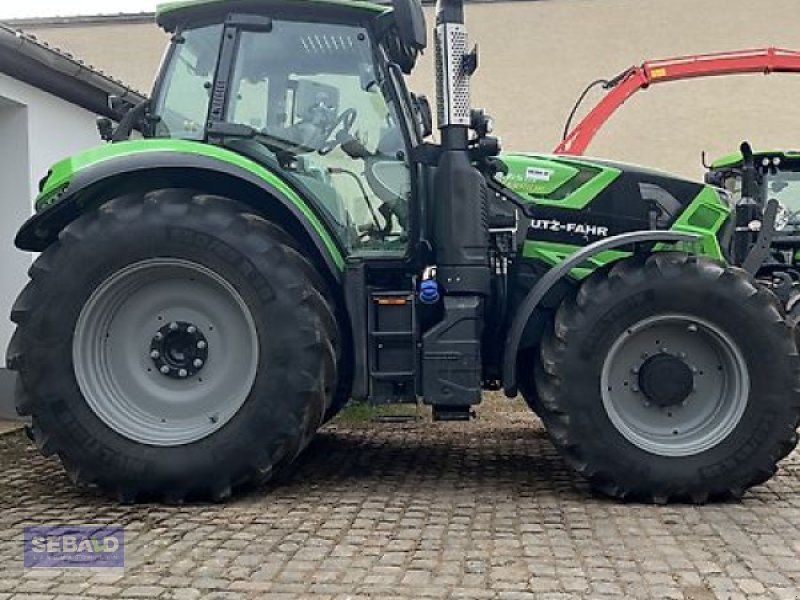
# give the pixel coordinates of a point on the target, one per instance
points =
(538, 55)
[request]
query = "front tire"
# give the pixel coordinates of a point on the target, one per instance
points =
(673, 378)
(173, 347)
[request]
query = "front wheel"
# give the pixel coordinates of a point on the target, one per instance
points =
(674, 378)
(173, 346)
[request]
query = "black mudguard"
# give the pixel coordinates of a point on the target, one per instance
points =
(556, 274)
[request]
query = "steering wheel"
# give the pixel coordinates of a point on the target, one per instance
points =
(346, 120)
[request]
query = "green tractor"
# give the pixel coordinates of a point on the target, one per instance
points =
(765, 233)
(282, 238)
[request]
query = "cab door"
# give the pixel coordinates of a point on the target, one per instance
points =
(323, 119)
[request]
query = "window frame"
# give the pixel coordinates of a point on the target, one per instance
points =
(167, 61)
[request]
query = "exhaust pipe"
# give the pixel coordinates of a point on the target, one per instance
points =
(460, 219)
(451, 350)
(453, 72)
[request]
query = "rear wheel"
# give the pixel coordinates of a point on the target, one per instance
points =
(173, 347)
(671, 378)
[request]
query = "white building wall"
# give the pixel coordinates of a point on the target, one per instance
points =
(36, 130)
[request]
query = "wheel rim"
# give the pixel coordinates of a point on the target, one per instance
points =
(165, 352)
(674, 385)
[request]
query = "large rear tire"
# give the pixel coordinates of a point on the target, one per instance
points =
(671, 378)
(173, 346)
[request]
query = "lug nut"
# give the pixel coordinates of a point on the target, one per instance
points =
(158, 336)
(692, 328)
(173, 326)
(191, 329)
(201, 345)
(183, 373)
(197, 363)
(155, 354)
(165, 370)
(635, 389)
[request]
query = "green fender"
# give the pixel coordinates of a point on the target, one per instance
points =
(79, 183)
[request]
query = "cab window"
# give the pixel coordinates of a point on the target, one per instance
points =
(181, 106)
(321, 117)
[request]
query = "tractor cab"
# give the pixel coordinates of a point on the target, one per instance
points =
(764, 188)
(306, 90)
(777, 176)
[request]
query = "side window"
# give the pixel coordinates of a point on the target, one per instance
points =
(182, 106)
(324, 120)
(251, 108)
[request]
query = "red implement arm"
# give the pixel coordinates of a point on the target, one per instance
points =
(625, 85)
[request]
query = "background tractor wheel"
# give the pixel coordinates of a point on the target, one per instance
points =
(671, 378)
(173, 346)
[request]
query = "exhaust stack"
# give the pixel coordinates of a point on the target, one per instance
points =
(454, 67)
(461, 236)
(451, 350)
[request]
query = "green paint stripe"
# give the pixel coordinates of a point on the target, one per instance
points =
(578, 199)
(552, 253)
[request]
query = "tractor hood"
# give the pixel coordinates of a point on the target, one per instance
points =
(570, 182)
(575, 201)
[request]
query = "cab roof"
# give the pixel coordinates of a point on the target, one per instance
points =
(735, 159)
(170, 14)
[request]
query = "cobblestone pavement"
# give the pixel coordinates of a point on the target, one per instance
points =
(484, 510)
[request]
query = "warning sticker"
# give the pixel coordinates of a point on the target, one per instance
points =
(538, 174)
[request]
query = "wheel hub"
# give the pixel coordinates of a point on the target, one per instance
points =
(666, 380)
(179, 350)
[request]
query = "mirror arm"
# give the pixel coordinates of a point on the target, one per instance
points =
(128, 123)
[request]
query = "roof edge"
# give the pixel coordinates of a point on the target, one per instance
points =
(29, 60)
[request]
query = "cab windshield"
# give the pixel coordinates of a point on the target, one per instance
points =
(308, 102)
(783, 186)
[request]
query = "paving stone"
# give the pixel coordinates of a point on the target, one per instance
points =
(480, 511)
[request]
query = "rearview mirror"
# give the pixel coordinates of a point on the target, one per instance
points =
(423, 114)
(409, 37)
(411, 26)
